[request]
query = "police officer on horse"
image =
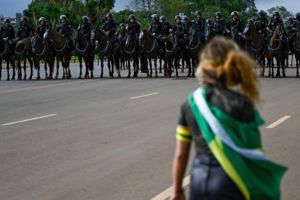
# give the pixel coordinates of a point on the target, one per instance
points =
(85, 28)
(122, 30)
(65, 31)
(159, 30)
(199, 24)
(218, 24)
(41, 29)
(292, 28)
(133, 27)
(235, 21)
(25, 29)
(109, 27)
(261, 24)
(168, 26)
(179, 30)
(7, 32)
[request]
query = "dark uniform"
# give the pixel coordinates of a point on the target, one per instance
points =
(8, 32)
(65, 29)
(272, 25)
(179, 30)
(86, 29)
(158, 28)
(133, 27)
(199, 24)
(261, 24)
(24, 31)
(219, 26)
(167, 25)
(187, 27)
(121, 32)
(110, 25)
(40, 30)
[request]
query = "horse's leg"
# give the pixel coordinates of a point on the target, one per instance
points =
(160, 59)
(7, 68)
(177, 64)
(278, 61)
(129, 72)
(68, 66)
(283, 66)
(87, 66)
(80, 67)
(112, 66)
(31, 67)
(57, 67)
(45, 67)
(19, 70)
(24, 68)
(64, 67)
(109, 58)
(102, 65)
(91, 65)
(38, 70)
(155, 65)
(182, 62)
(189, 69)
(193, 65)
(165, 66)
(0, 69)
(297, 61)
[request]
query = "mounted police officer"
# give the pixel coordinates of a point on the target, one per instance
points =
(25, 29)
(159, 30)
(179, 30)
(168, 26)
(261, 24)
(199, 24)
(109, 27)
(274, 23)
(65, 31)
(85, 28)
(41, 29)
(219, 24)
(292, 26)
(122, 30)
(188, 25)
(7, 32)
(133, 27)
(235, 21)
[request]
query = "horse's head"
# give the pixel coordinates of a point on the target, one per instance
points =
(234, 32)
(33, 43)
(75, 36)
(193, 35)
(127, 39)
(141, 37)
(47, 35)
(92, 39)
(279, 31)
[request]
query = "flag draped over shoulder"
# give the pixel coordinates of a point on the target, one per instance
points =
(237, 147)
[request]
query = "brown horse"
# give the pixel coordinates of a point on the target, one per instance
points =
(256, 48)
(194, 47)
(83, 50)
(62, 52)
(23, 51)
(149, 44)
(7, 55)
(276, 51)
(41, 51)
(131, 50)
(103, 45)
(296, 49)
(173, 53)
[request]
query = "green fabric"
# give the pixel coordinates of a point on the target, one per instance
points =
(261, 178)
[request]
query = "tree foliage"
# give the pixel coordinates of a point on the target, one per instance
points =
(284, 13)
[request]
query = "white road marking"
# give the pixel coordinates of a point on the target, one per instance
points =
(278, 121)
(26, 120)
(144, 95)
(168, 192)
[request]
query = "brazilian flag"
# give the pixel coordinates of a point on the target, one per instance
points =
(237, 147)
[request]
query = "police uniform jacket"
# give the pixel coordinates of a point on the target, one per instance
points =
(219, 26)
(261, 24)
(122, 32)
(237, 23)
(85, 29)
(199, 25)
(65, 29)
(274, 23)
(109, 25)
(133, 28)
(187, 27)
(24, 31)
(179, 29)
(40, 30)
(158, 28)
(7, 32)
(168, 27)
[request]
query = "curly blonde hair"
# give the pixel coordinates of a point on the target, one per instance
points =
(225, 62)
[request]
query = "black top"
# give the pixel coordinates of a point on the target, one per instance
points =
(85, 29)
(274, 23)
(40, 30)
(179, 29)
(187, 27)
(133, 28)
(237, 23)
(7, 32)
(218, 26)
(234, 104)
(199, 25)
(65, 29)
(261, 24)
(109, 25)
(168, 27)
(24, 31)
(158, 28)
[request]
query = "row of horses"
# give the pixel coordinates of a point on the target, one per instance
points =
(142, 52)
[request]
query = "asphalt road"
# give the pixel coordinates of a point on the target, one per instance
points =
(114, 139)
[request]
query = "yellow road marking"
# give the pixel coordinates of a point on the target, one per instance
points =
(168, 192)
(44, 86)
(278, 122)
